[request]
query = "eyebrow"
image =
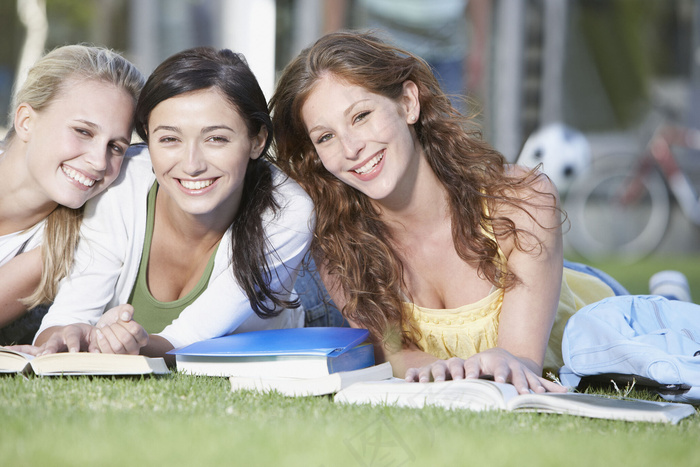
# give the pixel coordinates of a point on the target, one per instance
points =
(95, 126)
(345, 114)
(206, 129)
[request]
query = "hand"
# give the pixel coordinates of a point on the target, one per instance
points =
(115, 332)
(71, 338)
(496, 362)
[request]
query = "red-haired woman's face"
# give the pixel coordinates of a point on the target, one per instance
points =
(365, 139)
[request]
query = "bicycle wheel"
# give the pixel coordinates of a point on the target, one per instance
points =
(614, 213)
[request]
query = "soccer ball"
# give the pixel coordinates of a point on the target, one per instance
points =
(563, 152)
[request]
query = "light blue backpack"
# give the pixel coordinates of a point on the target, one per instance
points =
(649, 338)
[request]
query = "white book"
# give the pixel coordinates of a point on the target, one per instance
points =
(480, 394)
(312, 386)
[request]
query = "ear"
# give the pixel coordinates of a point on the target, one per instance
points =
(258, 144)
(410, 102)
(24, 121)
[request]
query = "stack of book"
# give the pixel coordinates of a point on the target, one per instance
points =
(294, 362)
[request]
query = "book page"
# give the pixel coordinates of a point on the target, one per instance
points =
(12, 361)
(595, 406)
(83, 363)
(472, 394)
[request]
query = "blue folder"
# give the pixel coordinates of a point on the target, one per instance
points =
(321, 341)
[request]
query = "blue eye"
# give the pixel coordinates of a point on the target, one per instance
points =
(323, 138)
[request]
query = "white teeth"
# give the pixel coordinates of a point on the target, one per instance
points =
(371, 164)
(77, 176)
(196, 185)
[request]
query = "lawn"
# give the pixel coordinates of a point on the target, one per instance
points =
(182, 420)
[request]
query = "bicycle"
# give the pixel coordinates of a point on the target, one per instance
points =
(622, 208)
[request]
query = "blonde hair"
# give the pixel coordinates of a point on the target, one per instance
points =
(44, 82)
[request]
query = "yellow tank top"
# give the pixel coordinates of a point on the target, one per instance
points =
(467, 330)
(470, 329)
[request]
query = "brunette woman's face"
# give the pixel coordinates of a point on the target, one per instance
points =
(200, 148)
(76, 144)
(364, 139)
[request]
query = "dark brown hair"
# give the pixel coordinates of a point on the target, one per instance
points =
(227, 72)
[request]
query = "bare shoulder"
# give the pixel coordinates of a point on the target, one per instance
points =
(537, 191)
(535, 208)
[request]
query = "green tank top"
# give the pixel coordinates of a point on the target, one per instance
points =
(150, 313)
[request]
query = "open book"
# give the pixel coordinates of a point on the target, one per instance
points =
(480, 394)
(312, 386)
(81, 363)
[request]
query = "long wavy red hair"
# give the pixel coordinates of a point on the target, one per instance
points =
(350, 240)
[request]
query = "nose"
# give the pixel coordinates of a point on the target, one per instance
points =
(352, 145)
(97, 157)
(194, 164)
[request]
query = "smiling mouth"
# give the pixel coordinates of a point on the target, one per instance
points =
(371, 164)
(196, 184)
(78, 177)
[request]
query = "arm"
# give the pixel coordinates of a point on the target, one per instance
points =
(19, 277)
(528, 309)
(107, 256)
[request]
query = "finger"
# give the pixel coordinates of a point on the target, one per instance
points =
(24, 348)
(438, 371)
(126, 312)
(412, 375)
(54, 345)
(455, 366)
(133, 336)
(93, 346)
(501, 372)
(425, 374)
(122, 337)
(113, 315)
(72, 339)
(524, 380)
(472, 368)
(107, 341)
(551, 386)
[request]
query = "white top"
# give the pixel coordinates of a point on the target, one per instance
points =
(19, 242)
(109, 252)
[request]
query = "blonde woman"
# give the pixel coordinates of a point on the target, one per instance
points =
(72, 122)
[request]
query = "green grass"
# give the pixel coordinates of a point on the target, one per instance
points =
(180, 420)
(183, 420)
(635, 277)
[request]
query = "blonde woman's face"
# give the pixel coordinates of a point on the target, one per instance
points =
(75, 145)
(362, 138)
(200, 149)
